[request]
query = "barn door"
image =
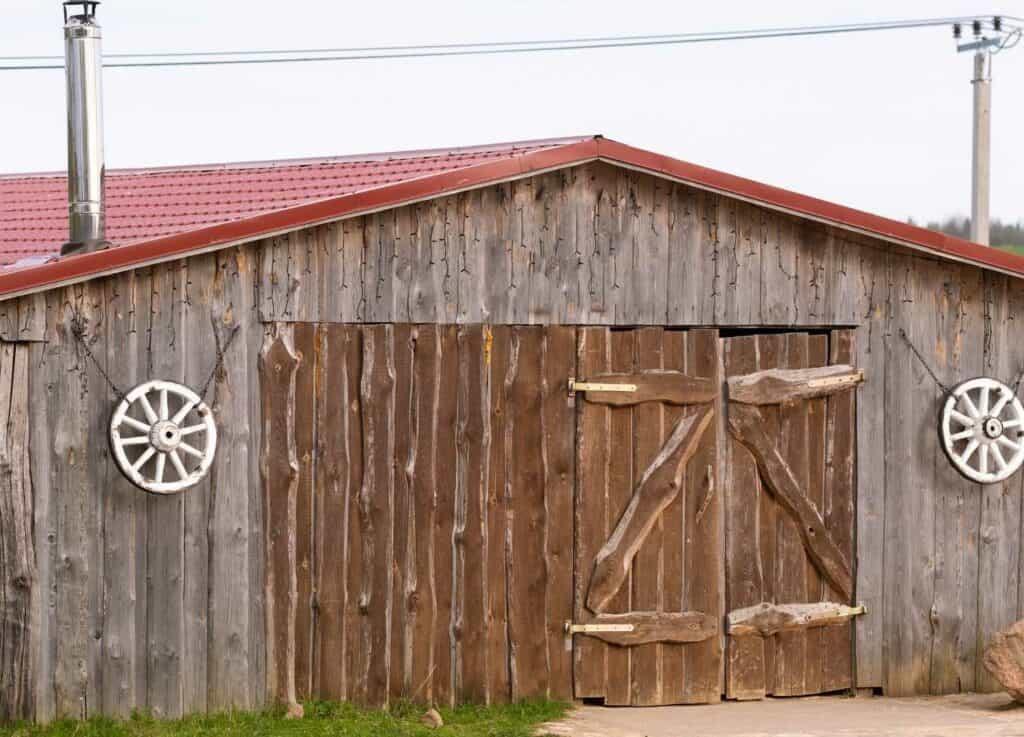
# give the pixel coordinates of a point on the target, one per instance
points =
(648, 555)
(789, 488)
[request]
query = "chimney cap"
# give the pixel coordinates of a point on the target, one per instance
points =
(88, 11)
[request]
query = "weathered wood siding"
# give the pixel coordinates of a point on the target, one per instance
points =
(430, 533)
(158, 603)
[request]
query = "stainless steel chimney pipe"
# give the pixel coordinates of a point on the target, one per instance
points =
(83, 66)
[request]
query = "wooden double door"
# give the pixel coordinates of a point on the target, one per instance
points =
(714, 515)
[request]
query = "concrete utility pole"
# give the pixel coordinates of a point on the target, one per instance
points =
(982, 153)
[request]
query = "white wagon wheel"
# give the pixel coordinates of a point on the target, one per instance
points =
(165, 444)
(983, 430)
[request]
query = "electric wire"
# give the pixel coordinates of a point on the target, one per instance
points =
(196, 58)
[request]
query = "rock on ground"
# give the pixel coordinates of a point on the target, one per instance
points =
(1004, 659)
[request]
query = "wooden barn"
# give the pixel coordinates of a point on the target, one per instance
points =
(560, 418)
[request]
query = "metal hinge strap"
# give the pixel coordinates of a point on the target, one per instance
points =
(589, 386)
(573, 629)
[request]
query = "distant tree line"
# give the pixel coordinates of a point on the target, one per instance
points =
(1000, 233)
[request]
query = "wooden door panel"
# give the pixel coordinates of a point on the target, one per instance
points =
(642, 513)
(789, 464)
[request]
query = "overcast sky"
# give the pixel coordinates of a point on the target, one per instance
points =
(877, 121)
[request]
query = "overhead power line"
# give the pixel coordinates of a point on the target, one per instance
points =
(366, 53)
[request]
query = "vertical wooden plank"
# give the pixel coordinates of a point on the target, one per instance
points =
(684, 253)
(443, 522)
(200, 356)
(472, 443)
(954, 313)
(166, 346)
(280, 469)
(872, 272)
(124, 520)
(617, 462)
(648, 565)
(47, 370)
(404, 543)
(771, 353)
(304, 336)
(704, 571)
(17, 549)
(593, 435)
(423, 477)
(816, 412)
(746, 576)
(908, 579)
(376, 504)
(349, 362)
(559, 363)
(839, 510)
(525, 564)
(497, 352)
(236, 636)
(999, 557)
(674, 523)
(791, 564)
(337, 392)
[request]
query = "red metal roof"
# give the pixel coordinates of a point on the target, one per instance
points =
(159, 214)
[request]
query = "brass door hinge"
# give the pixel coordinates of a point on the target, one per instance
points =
(589, 386)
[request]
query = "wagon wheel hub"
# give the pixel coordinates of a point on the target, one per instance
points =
(165, 436)
(993, 428)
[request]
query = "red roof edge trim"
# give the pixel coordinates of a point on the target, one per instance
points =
(70, 269)
(821, 210)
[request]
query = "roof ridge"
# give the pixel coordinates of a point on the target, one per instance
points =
(314, 160)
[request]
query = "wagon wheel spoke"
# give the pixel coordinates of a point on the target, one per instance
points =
(190, 450)
(962, 435)
(178, 465)
(142, 459)
(182, 413)
(962, 418)
(998, 455)
(132, 422)
(1004, 399)
(972, 408)
(138, 440)
(1007, 443)
(192, 429)
(161, 461)
(148, 409)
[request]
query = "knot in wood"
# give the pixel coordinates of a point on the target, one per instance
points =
(21, 581)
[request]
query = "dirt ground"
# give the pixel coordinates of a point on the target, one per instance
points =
(972, 715)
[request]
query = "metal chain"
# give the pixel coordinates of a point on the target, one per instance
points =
(78, 331)
(946, 390)
(220, 360)
(78, 323)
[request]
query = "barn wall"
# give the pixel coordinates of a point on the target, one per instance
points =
(157, 603)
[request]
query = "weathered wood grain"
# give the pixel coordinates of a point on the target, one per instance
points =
(280, 468)
(747, 580)
(652, 385)
(791, 571)
(767, 619)
(840, 437)
(593, 430)
(659, 485)
(637, 540)
(558, 424)
(620, 476)
(747, 424)
(305, 344)
(526, 569)
(704, 559)
(778, 386)
(651, 628)
(17, 549)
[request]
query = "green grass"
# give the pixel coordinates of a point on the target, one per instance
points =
(322, 719)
